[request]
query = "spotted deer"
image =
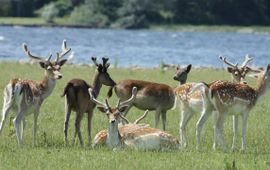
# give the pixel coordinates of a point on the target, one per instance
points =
(77, 98)
(151, 96)
(231, 98)
(132, 135)
(193, 103)
(27, 96)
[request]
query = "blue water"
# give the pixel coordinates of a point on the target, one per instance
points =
(137, 47)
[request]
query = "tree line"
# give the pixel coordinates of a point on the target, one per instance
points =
(141, 13)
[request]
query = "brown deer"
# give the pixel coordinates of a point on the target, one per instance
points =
(78, 99)
(27, 96)
(150, 96)
(231, 98)
(181, 74)
(133, 135)
(193, 103)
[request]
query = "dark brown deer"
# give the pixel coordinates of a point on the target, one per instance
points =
(150, 96)
(27, 96)
(78, 99)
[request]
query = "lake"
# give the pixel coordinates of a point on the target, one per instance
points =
(145, 48)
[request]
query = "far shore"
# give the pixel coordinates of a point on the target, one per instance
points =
(63, 22)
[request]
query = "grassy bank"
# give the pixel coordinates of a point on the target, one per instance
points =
(51, 153)
(172, 27)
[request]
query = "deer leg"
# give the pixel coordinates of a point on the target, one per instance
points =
(244, 127)
(163, 114)
(185, 117)
(199, 125)
(6, 107)
(90, 115)
(219, 128)
(235, 128)
(35, 127)
(79, 116)
(157, 116)
(23, 127)
(214, 116)
(67, 116)
(17, 123)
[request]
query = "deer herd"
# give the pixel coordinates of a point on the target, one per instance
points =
(218, 98)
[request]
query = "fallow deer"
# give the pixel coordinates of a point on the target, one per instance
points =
(193, 103)
(151, 96)
(78, 99)
(231, 98)
(136, 136)
(27, 96)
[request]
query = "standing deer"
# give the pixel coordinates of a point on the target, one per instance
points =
(193, 103)
(231, 98)
(27, 96)
(137, 136)
(78, 99)
(150, 96)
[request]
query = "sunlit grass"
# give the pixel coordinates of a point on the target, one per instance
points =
(51, 153)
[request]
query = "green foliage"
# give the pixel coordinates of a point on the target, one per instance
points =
(49, 12)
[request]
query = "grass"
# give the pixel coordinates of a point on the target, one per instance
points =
(37, 21)
(51, 153)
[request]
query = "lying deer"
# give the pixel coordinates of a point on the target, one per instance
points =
(137, 136)
(231, 98)
(193, 103)
(27, 96)
(150, 96)
(78, 99)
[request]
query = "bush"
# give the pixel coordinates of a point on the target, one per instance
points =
(49, 12)
(85, 16)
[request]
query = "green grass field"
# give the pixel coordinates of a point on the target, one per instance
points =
(51, 153)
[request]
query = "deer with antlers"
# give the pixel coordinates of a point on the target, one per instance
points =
(151, 96)
(231, 98)
(133, 135)
(27, 96)
(193, 103)
(78, 99)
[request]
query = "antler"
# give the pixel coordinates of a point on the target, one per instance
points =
(92, 98)
(64, 51)
(247, 60)
(130, 100)
(94, 59)
(124, 118)
(29, 54)
(141, 118)
(227, 62)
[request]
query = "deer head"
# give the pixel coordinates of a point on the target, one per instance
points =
(114, 114)
(52, 68)
(181, 74)
(238, 73)
(103, 75)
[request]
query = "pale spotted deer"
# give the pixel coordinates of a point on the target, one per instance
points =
(27, 96)
(77, 98)
(151, 96)
(193, 103)
(132, 135)
(231, 98)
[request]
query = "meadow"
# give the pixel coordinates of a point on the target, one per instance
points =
(51, 152)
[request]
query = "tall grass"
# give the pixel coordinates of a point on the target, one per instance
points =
(51, 153)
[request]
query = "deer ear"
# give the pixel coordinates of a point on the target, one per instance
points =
(43, 65)
(229, 69)
(102, 109)
(62, 62)
(189, 68)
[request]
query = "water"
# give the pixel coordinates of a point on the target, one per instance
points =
(137, 47)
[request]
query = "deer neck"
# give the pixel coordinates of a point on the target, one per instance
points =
(261, 86)
(113, 137)
(96, 84)
(46, 86)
